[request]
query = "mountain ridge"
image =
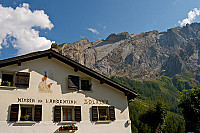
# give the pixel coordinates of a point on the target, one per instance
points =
(139, 56)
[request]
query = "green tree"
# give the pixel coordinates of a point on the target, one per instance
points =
(155, 116)
(174, 123)
(190, 103)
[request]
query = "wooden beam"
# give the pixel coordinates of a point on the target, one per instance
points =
(127, 93)
(102, 81)
(19, 63)
(50, 56)
(76, 69)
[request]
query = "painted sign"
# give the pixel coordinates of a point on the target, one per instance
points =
(55, 101)
(93, 101)
(61, 101)
(45, 86)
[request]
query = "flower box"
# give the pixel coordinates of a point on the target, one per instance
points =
(6, 83)
(26, 118)
(103, 117)
(68, 127)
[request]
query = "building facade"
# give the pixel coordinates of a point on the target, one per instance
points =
(47, 92)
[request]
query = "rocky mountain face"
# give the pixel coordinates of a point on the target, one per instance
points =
(139, 56)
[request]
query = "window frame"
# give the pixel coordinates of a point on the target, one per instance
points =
(72, 113)
(89, 84)
(18, 113)
(9, 73)
(78, 85)
(110, 112)
(58, 114)
(26, 106)
(20, 79)
(106, 108)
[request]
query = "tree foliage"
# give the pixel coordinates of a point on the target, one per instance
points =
(190, 103)
(151, 89)
(146, 105)
(155, 116)
(140, 111)
(174, 123)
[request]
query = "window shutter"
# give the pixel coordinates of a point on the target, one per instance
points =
(77, 110)
(22, 79)
(14, 112)
(57, 113)
(94, 113)
(73, 82)
(112, 113)
(38, 113)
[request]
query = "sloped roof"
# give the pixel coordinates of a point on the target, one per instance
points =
(131, 94)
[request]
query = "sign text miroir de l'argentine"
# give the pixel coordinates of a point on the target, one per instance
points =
(61, 101)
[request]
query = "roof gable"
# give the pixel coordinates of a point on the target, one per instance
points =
(77, 67)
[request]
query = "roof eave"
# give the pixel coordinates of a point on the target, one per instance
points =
(131, 94)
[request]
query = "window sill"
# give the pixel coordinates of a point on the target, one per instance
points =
(106, 121)
(87, 91)
(8, 87)
(26, 122)
(68, 122)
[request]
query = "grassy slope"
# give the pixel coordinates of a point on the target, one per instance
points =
(149, 91)
(152, 89)
(187, 80)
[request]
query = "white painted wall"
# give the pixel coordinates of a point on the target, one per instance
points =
(60, 90)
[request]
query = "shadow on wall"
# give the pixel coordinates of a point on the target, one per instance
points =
(8, 116)
(97, 96)
(62, 82)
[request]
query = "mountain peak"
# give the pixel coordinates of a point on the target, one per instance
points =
(117, 37)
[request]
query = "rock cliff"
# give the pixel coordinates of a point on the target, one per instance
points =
(139, 56)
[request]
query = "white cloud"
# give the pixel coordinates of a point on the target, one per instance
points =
(191, 17)
(17, 28)
(94, 31)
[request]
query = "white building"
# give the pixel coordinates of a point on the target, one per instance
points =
(45, 92)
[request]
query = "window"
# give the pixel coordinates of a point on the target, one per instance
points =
(7, 79)
(85, 85)
(103, 113)
(74, 83)
(67, 113)
(19, 79)
(26, 112)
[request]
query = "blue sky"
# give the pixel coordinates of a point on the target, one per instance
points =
(31, 25)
